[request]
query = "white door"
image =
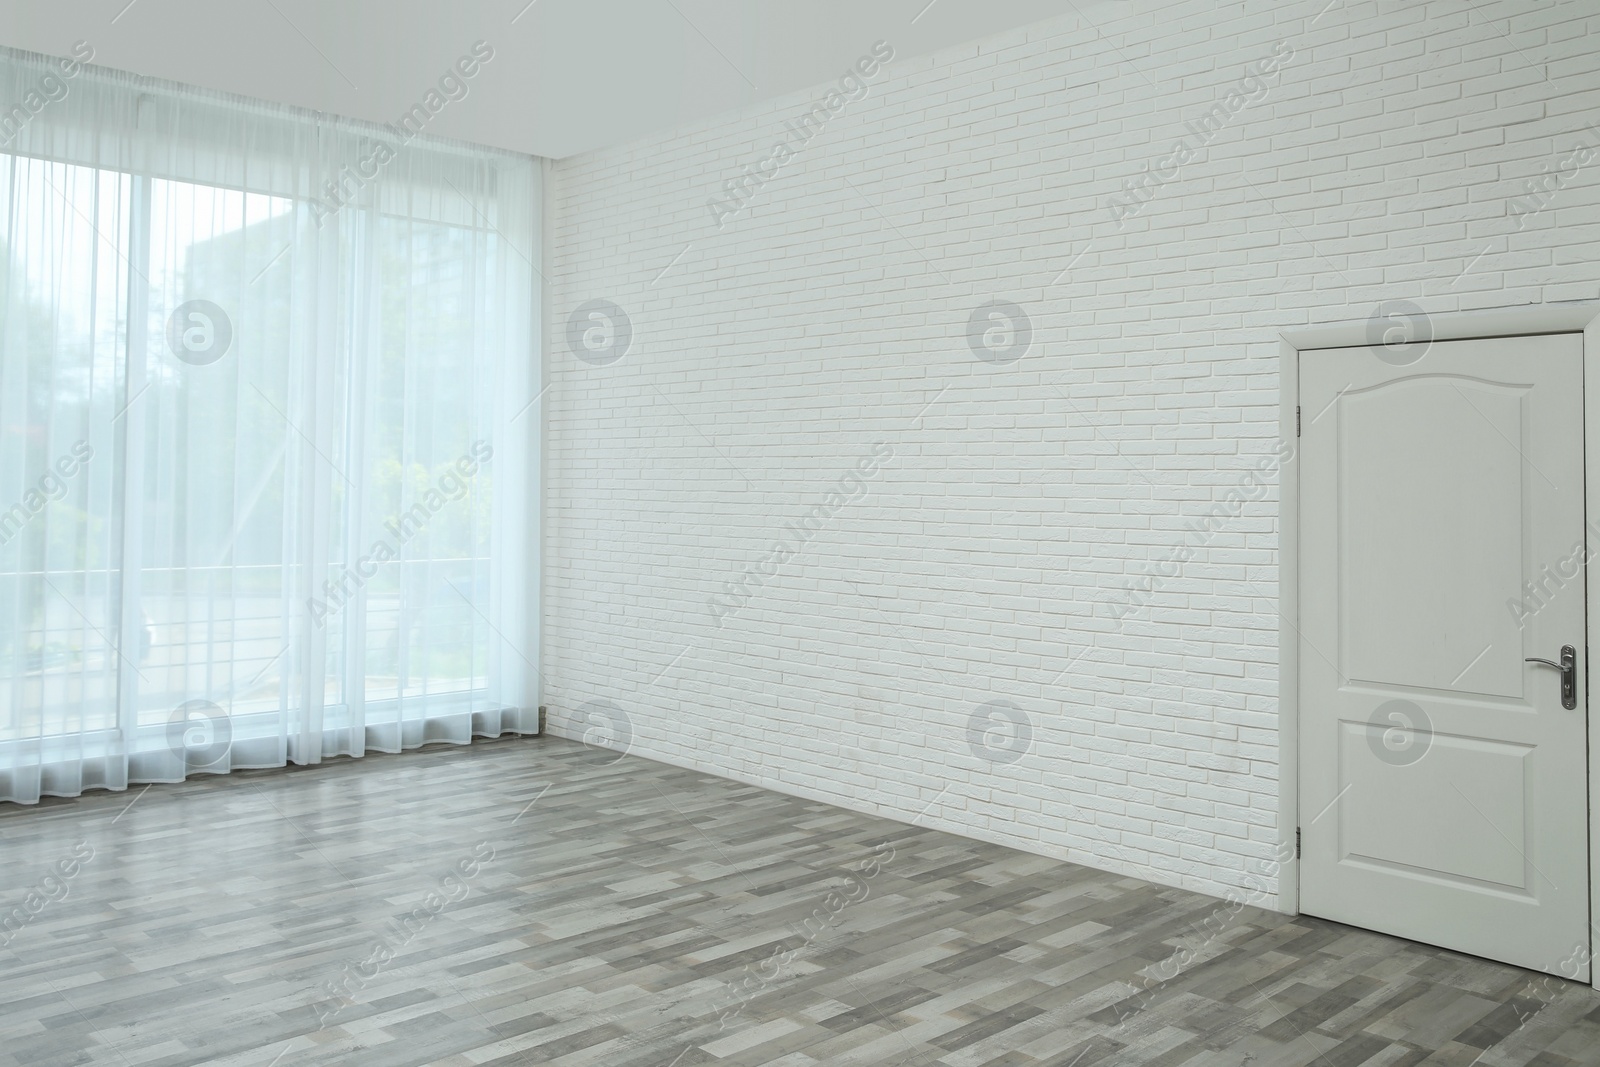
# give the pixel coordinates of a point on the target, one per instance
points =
(1443, 794)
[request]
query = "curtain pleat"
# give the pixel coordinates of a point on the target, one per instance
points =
(266, 461)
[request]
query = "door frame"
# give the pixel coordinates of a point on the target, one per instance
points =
(1568, 317)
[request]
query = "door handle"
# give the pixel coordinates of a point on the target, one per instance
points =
(1569, 674)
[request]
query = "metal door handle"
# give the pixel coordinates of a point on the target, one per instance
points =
(1569, 674)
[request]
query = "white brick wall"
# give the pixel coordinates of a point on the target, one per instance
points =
(996, 545)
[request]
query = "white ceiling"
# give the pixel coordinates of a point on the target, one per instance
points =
(567, 75)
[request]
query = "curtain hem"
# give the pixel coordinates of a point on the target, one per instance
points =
(105, 774)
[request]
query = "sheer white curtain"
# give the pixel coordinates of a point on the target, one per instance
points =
(268, 444)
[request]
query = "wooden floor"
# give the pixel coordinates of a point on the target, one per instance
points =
(536, 901)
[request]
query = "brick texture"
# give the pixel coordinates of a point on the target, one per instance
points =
(802, 535)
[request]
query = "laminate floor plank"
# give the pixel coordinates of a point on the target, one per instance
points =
(536, 901)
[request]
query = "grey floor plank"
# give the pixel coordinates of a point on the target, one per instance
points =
(535, 901)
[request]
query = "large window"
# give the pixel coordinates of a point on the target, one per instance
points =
(266, 442)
